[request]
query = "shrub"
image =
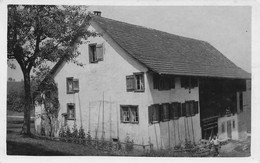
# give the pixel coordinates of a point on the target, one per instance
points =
(82, 135)
(68, 134)
(43, 131)
(74, 135)
(129, 146)
(89, 138)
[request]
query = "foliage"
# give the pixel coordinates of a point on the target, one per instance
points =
(41, 33)
(81, 133)
(129, 146)
(43, 131)
(15, 101)
(74, 134)
(62, 132)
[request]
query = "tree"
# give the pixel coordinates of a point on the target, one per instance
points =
(47, 95)
(41, 33)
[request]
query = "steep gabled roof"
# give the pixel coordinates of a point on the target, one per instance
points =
(166, 53)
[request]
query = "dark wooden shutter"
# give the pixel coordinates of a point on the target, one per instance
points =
(192, 108)
(130, 83)
(156, 81)
(196, 107)
(99, 49)
(183, 109)
(76, 85)
(179, 109)
(172, 82)
(187, 108)
(193, 82)
(174, 109)
(121, 114)
(185, 82)
(150, 113)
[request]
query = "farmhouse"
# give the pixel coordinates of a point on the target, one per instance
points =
(151, 86)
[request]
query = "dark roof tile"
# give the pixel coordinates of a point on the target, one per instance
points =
(167, 53)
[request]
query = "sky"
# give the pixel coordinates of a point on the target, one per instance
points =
(227, 28)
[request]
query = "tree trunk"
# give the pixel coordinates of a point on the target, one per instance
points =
(28, 104)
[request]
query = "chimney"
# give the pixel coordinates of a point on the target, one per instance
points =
(97, 13)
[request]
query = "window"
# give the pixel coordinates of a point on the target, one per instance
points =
(96, 53)
(223, 127)
(165, 114)
(129, 114)
(139, 82)
(163, 82)
(72, 85)
(154, 113)
(65, 118)
(189, 108)
(71, 111)
(135, 82)
(189, 82)
(175, 110)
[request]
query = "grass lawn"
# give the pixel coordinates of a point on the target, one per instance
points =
(20, 145)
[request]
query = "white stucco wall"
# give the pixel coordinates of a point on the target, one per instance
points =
(173, 132)
(102, 89)
(234, 129)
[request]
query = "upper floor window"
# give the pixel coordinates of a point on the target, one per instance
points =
(72, 85)
(135, 82)
(163, 82)
(189, 82)
(96, 53)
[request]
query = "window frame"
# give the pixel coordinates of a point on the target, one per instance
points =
(94, 53)
(136, 82)
(67, 85)
(74, 110)
(130, 109)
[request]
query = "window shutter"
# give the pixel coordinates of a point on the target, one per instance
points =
(179, 109)
(150, 113)
(99, 49)
(76, 85)
(172, 82)
(194, 82)
(196, 107)
(185, 82)
(130, 83)
(187, 108)
(174, 110)
(155, 81)
(183, 109)
(121, 114)
(192, 108)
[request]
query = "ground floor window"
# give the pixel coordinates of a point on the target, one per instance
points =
(129, 113)
(71, 111)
